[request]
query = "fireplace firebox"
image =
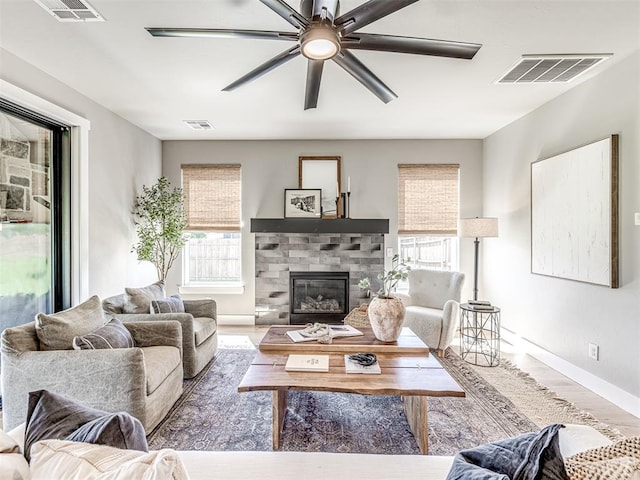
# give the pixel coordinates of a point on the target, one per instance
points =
(318, 297)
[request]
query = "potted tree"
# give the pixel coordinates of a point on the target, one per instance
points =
(160, 221)
(386, 312)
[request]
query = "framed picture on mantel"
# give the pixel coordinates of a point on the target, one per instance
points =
(322, 173)
(302, 203)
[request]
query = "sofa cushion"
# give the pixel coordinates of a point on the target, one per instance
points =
(64, 459)
(159, 363)
(203, 328)
(115, 304)
(112, 335)
(54, 416)
(139, 299)
(56, 331)
(173, 304)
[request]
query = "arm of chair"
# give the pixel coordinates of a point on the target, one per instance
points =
(450, 312)
(112, 380)
(153, 334)
(201, 308)
(404, 298)
(184, 319)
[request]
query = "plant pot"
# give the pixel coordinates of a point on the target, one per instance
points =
(387, 317)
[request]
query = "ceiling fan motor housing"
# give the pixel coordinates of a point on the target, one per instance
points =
(313, 9)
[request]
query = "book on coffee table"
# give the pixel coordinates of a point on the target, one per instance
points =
(307, 363)
(354, 367)
(337, 331)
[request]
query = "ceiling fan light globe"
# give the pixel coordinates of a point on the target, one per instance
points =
(319, 49)
(319, 44)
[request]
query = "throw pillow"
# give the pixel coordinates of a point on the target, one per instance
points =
(56, 331)
(620, 461)
(53, 416)
(139, 299)
(13, 466)
(113, 335)
(173, 304)
(64, 459)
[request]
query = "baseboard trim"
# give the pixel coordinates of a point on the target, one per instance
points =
(612, 393)
(236, 320)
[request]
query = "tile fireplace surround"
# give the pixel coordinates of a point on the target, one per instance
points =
(339, 245)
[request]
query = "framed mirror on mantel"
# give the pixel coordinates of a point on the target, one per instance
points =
(323, 173)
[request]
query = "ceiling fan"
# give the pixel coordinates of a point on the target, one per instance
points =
(324, 34)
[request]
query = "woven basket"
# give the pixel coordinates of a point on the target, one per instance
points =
(357, 318)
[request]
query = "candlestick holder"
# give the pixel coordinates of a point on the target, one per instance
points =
(343, 198)
(348, 205)
(338, 207)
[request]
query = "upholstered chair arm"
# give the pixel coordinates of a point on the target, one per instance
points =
(450, 313)
(112, 380)
(154, 334)
(405, 298)
(201, 308)
(184, 319)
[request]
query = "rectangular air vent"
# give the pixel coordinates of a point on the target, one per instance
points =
(199, 124)
(71, 10)
(551, 68)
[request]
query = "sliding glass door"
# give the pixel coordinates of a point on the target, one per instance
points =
(34, 216)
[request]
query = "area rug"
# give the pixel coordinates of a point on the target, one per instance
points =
(211, 415)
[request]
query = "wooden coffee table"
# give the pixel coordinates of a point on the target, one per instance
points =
(407, 370)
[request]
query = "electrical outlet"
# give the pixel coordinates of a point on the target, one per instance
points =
(636, 218)
(594, 351)
(389, 252)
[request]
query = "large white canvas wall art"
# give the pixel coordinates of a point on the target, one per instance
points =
(574, 214)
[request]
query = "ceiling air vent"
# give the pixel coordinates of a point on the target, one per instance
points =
(551, 68)
(199, 124)
(71, 10)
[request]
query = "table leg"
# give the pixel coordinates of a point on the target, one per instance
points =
(415, 408)
(279, 408)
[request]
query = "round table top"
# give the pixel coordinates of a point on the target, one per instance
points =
(484, 309)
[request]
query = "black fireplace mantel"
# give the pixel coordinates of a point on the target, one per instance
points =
(320, 225)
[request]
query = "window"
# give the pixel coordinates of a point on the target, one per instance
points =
(35, 265)
(428, 215)
(212, 254)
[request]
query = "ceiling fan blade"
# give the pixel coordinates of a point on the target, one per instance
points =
(264, 68)
(366, 77)
(367, 13)
(286, 12)
(314, 75)
(221, 33)
(420, 46)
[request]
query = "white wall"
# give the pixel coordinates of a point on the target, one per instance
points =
(122, 158)
(268, 167)
(563, 316)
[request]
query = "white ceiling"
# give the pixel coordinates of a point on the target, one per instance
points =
(156, 83)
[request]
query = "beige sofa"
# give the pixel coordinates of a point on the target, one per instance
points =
(311, 466)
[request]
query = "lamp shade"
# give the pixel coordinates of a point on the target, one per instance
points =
(479, 227)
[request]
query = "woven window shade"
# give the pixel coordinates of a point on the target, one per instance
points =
(212, 197)
(428, 199)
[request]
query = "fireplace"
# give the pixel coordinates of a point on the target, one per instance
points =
(318, 297)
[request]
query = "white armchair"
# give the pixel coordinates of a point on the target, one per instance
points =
(432, 306)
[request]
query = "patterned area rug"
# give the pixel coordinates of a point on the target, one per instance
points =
(212, 415)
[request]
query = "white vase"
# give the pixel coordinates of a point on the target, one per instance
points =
(386, 316)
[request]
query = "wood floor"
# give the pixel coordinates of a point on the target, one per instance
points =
(566, 388)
